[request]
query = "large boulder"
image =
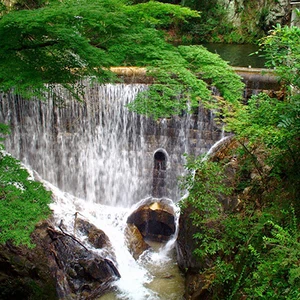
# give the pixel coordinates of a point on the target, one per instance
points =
(186, 244)
(155, 219)
(198, 283)
(96, 236)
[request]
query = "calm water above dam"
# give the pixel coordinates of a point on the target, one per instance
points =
(238, 55)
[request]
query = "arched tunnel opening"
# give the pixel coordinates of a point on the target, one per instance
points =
(160, 160)
(159, 174)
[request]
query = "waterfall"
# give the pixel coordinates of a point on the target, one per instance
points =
(98, 159)
(97, 149)
(93, 149)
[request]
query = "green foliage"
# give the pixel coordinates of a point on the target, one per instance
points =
(281, 50)
(163, 15)
(254, 251)
(215, 24)
(234, 22)
(181, 82)
(3, 8)
(62, 42)
(216, 71)
(258, 122)
(212, 26)
(23, 201)
(250, 255)
(272, 123)
(203, 190)
(277, 275)
(206, 186)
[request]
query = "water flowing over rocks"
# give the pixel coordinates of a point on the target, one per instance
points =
(96, 236)
(87, 148)
(77, 146)
(259, 80)
(101, 152)
(81, 273)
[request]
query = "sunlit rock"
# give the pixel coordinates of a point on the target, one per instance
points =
(155, 220)
(135, 241)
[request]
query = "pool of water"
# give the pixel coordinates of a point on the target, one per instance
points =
(237, 55)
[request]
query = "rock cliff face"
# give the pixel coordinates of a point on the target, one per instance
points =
(197, 285)
(262, 13)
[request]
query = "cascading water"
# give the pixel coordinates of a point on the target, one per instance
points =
(153, 276)
(92, 150)
(97, 158)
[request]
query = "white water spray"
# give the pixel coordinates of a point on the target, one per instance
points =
(140, 280)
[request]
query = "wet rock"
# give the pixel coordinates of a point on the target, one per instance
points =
(197, 281)
(96, 236)
(78, 270)
(155, 219)
(135, 241)
(197, 286)
(186, 244)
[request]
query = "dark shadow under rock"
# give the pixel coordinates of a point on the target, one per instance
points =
(155, 219)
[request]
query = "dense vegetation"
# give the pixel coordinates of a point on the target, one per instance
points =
(223, 21)
(23, 201)
(253, 248)
(61, 43)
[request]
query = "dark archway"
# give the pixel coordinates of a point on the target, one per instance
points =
(160, 160)
(159, 174)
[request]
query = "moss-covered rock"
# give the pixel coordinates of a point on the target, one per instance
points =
(26, 273)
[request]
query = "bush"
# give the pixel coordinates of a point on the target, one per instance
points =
(23, 201)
